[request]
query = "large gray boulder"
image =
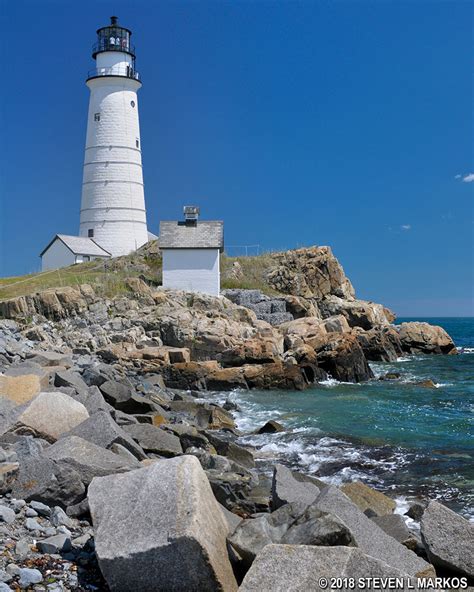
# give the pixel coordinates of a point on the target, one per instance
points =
(44, 480)
(369, 537)
(303, 568)
(93, 400)
(124, 398)
(448, 538)
(154, 439)
(51, 414)
(102, 430)
(160, 528)
(50, 358)
(88, 459)
(70, 378)
(295, 524)
(286, 488)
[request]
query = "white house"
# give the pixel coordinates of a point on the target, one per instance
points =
(66, 250)
(190, 250)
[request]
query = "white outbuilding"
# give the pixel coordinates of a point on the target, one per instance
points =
(66, 250)
(191, 250)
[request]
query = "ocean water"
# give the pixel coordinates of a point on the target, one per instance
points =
(404, 439)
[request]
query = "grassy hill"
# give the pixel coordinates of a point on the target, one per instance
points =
(108, 277)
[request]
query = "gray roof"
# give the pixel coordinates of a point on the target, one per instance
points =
(79, 245)
(205, 234)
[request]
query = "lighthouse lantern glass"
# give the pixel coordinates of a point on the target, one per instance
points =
(113, 39)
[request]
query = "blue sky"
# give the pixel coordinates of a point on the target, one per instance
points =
(336, 123)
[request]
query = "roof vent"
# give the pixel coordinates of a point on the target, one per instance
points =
(191, 215)
(114, 20)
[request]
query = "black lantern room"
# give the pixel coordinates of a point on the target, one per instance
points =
(113, 38)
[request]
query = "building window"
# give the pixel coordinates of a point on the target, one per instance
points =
(86, 258)
(132, 103)
(137, 143)
(90, 232)
(96, 116)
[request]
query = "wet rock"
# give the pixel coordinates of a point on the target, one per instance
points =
(271, 427)
(239, 454)
(426, 383)
(390, 376)
(366, 498)
(343, 359)
(448, 538)
(51, 414)
(369, 537)
(286, 489)
(301, 568)
(415, 511)
(175, 537)
(154, 439)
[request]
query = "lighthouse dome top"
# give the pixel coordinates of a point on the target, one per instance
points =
(113, 37)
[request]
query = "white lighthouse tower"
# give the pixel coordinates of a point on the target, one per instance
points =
(113, 203)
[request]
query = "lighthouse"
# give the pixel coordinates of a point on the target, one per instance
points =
(113, 211)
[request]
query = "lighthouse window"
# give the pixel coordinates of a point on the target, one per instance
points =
(137, 143)
(132, 103)
(96, 116)
(90, 232)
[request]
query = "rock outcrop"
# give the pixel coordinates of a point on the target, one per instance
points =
(422, 338)
(313, 327)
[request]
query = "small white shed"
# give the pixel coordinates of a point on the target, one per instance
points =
(190, 250)
(66, 250)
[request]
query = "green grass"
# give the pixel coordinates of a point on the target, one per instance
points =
(255, 271)
(108, 278)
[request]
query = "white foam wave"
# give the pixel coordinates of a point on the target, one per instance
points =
(465, 350)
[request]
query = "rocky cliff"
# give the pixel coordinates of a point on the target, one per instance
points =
(312, 328)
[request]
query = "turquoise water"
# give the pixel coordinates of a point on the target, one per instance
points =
(394, 435)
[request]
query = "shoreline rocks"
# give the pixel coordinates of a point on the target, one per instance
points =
(112, 455)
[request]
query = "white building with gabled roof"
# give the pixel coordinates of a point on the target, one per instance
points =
(191, 253)
(65, 250)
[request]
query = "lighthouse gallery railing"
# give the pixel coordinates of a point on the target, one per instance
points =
(125, 71)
